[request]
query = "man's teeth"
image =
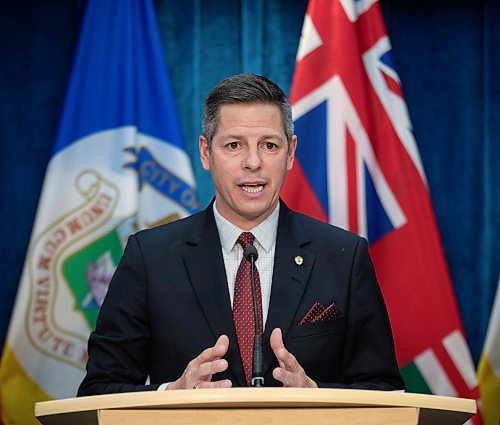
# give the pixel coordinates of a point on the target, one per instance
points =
(253, 188)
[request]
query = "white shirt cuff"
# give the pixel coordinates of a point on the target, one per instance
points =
(163, 386)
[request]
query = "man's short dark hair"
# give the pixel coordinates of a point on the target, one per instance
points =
(244, 89)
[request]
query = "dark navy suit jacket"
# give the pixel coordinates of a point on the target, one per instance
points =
(169, 300)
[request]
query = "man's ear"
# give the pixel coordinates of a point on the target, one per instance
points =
(291, 153)
(204, 153)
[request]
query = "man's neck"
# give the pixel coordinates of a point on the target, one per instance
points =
(246, 224)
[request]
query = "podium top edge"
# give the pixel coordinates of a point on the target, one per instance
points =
(254, 397)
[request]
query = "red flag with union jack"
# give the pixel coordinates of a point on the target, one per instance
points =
(358, 167)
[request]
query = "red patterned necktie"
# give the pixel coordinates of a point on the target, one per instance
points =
(243, 307)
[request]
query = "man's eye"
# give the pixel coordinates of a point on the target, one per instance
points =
(271, 146)
(232, 145)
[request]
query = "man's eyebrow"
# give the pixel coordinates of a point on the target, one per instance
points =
(242, 137)
(232, 136)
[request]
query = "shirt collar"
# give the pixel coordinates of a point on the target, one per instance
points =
(265, 232)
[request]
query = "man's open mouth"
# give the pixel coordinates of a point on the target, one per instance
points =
(252, 187)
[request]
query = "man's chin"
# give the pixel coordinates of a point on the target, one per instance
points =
(256, 213)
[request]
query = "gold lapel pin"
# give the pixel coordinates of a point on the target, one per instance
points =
(299, 260)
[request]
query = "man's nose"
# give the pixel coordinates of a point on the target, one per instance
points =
(252, 159)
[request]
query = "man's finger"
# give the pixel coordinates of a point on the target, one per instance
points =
(276, 339)
(288, 379)
(212, 353)
(205, 371)
(293, 379)
(204, 366)
(286, 359)
(290, 373)
(225, 383)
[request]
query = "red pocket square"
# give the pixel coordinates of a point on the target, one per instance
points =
(318, 313)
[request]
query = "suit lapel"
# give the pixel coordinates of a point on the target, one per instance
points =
(290, 277)
(205, 267)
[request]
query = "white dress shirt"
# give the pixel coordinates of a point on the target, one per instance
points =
(265, 243)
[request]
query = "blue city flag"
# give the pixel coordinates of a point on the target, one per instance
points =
(118, 165)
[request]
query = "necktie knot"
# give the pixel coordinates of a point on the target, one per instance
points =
(245, 239)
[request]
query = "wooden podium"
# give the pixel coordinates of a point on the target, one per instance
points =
(288, 406)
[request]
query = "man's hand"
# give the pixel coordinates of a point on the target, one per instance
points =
(289, 372)
(199, 371)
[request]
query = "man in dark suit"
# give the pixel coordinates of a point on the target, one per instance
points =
(174, 309)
